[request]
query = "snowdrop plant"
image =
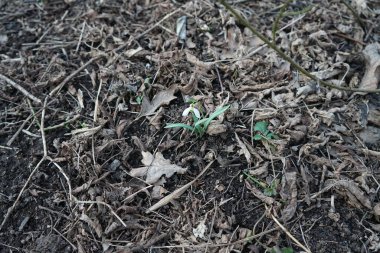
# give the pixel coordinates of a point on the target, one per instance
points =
(200, 124)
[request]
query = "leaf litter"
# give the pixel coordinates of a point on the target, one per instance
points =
(138, 187)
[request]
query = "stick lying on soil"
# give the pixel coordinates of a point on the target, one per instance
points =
(21, 89)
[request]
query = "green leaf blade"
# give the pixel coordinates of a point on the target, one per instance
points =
(174, 125)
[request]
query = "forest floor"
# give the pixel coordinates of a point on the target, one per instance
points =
(284, 164)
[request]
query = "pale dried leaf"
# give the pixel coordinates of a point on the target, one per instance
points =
(352, 188)
(94, 223)
(244, 149)
(216, 128)
(161, 98)
(156, 167)
(371, 76)
(289, 195)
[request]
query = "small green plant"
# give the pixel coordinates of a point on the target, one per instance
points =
(262, 132)
(283, 250)
(139, 99)
(200, 124)
(270, 190)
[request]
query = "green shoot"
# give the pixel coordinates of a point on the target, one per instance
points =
(262, 132)
(269, 189)
(200, 125)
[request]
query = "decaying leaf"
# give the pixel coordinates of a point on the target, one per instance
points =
(156, 167)
(371, 76)
(163, 97)
(355, 193)
(181, 28)
(94, 223)
(289, 195)
(216, 128)
(244, 149)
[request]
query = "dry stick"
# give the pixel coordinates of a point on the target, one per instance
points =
(284, 56)
(290, 235)
(177, 193)
(34, 170)
(11, 140)
(63, 83)
(67, 180)
(73, 119)
(21, 89)
(105, 204)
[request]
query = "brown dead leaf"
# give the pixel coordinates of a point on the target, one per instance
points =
(216, 128)
(372, 74)
(258, 194)
(244, 149)
(289, 195)
(94, 223)
(194, 60)
(163, 97)
(355, 194)
(156, 167)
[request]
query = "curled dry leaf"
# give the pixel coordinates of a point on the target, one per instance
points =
(244, 149)
(194, 60)
(355, 193)
(289, 195)
(371, 76)
(258, 194)
(94, 223)
(163, 97)
(216, 128)
(156, 167)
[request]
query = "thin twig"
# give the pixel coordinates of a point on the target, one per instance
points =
(284, 56)
(290, 235)
(63, 123)
(11, 140)
(21, 89)
(67, 180)
(9, 212)
(67, 79)
(105, 204)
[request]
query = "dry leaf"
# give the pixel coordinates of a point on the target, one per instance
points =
(372, 74)
(216, 128)
(244, 149)
(161, 98)
(353, 192)
(156, 167)
(94, 223)
(289, 195)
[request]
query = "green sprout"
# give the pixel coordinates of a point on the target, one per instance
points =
(200, 124)
(283, 250)
(263, 133)
(139, 99)
(269, 189)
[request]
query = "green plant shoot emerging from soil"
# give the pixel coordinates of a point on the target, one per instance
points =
(200, 124)
(262, 132)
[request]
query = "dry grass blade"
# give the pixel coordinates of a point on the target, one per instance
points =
(177, 193)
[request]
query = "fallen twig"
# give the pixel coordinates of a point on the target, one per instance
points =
(45, 157)
(67, 79)
(21, 89)
(177, 193)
